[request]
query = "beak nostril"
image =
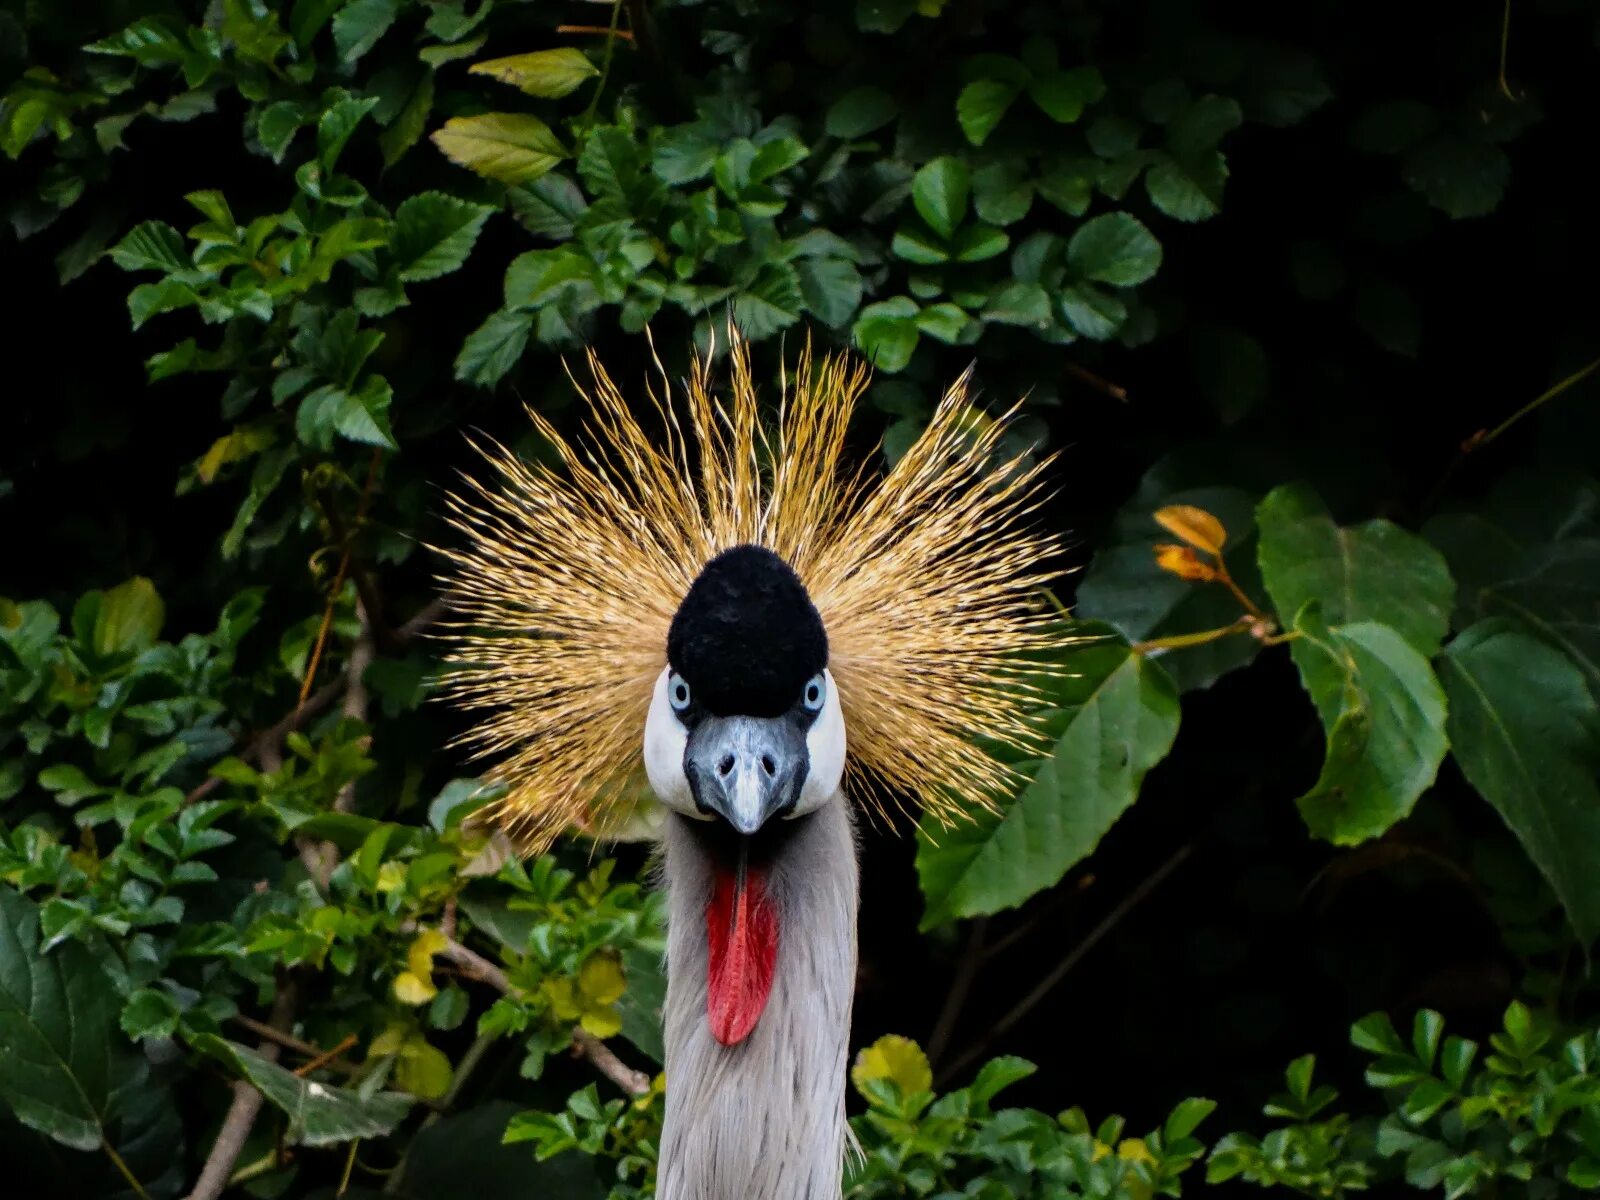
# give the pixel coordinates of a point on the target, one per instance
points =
(725, 764)
(768, 765)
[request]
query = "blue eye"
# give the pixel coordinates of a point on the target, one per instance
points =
(678, 693)
(816, 690)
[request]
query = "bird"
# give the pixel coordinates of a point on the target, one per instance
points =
(699, 594)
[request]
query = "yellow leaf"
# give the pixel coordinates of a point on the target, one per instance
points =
(600, 979)
(243, 442)
(423, 1070)
(423, 947)
(894, 1058)
(510, 147)
(602, 1022)
(391, 1041)
(1183, 562)
(391, 876)
(551, 74)
(563, 999)
(411, 988)
(1134, 1150)
(1193, 525)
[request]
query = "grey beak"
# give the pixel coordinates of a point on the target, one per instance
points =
(745, 769)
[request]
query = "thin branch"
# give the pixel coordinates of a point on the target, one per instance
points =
(244, 1109)
(1095, 381)
(584, 1043)
(1048, 984)
(966, 971)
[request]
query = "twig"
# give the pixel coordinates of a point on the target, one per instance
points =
(601, 30)
(1505, 49)
(1094, 381)
(328, 1057)
(348, 549)
(355, 692)
(584, 1043)
(1049, 982)
(966, 971)
(244, 1109)
(122, 1167)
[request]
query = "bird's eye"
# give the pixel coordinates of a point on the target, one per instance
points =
(678, 693)
(816, 689)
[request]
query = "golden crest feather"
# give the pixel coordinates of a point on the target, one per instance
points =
(929, 581)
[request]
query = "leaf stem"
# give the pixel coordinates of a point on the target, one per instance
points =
(1479, 440)
(592, 112)
(116, 1161)
(1179, 641)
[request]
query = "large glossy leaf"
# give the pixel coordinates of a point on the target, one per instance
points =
(1384, 715)
(1371, 572)
(1117, 716)
(63, 1055)
(1531, 553)
(319, 1114)
(1526, 731)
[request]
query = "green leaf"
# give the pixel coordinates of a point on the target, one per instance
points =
(831, 288)
(1091, 311)
(980, 106)
(434, 233)
(335, 127)
(1202, 124)
(1370, 572)
(149, 1014)
(58, 1010)
(943, 322)
(550, 74)
(1461, 176)
(152, 246)
(978, 243)
(129, 619)
(510, 147)
(319, 1114)
(1187, 190)
(1383, 712)
(1025, 304)
(360, 23)
(1115, 248)
(939, 193)
(1526, 731)
(887, 334)
(998, 1074)
(771, 302)
(494, 347)
(1115, 717)
(1063, 95)
(548, 207)
(860, 111)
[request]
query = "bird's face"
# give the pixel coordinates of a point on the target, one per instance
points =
(745, 724)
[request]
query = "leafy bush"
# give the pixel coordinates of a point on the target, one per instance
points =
(1340, 529)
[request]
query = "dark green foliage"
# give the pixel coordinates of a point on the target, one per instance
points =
(1258, 279)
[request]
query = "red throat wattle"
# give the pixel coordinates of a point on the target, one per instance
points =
(742, 936)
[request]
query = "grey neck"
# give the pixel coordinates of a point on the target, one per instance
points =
(763, 1120)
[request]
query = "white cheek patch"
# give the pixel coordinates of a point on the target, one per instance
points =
(664, 740)
(825, 744)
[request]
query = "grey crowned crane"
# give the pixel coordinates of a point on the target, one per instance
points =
(728, 608)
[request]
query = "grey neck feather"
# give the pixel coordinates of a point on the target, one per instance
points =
(763, 1120)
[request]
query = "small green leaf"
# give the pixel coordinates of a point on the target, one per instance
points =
(886, 332)
(550, 74)
(1063, 95)
(510, 147)
(1115, 248)
(434, 233)
(940, 192)
(860, 111)
(129, 619)
(152, 246)
(494, 347)
(980, 106)
(359, 24)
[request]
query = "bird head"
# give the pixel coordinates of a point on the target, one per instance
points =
(745, 723)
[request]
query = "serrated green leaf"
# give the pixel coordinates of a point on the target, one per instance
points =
(152, 246)
(434, 233)
(1115, 248)
(494, 347)
(129, 618)
(359, 24)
